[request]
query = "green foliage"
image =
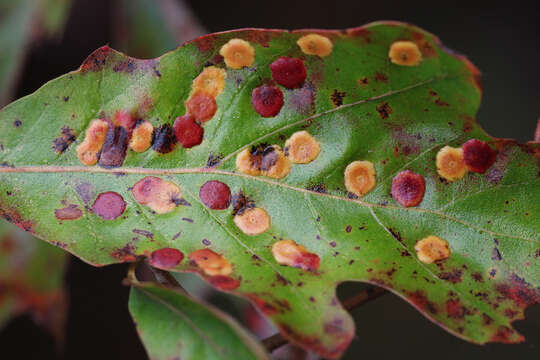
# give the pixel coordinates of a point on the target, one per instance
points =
(21, 22)
(173, 324)
(31, 279)
(358, 106)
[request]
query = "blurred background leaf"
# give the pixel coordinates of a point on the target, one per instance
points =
(23, 22)
(32, 280)
(150, 28)
(172, 324)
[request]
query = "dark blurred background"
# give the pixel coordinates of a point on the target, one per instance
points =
(502, 39)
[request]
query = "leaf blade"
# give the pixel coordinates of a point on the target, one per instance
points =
(399, 121)
(198, 330)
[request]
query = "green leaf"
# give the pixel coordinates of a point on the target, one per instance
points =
(19, 24)
(172, 324)
(31, 280)
(147, 28)
(358, 106)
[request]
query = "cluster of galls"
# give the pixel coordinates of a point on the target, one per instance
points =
(289, 72)
(408, 187)
(273, 161)
(163, 196)
(107, 140)
(106, 143)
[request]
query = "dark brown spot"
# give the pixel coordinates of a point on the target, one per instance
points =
(441, 102)
(477, 277)
(61, 143)
(380, 77)
(455, 310)
(241, 203)
(384, 110)
(17, 123)
(125, 254)
(337, 97)
(163, 139)
(114, 149)
(453, 276)
(215, 195)
(109, 205)
(70, 212)
(320, 188)
(213, 160)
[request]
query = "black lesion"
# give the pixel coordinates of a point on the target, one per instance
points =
(114, 150)
(163, 139)
(241, 203)
(62, 143)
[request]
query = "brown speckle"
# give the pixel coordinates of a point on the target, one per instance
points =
(453, 276)
(337, 97)
(384, 110)
(66, 138)
(380, 77)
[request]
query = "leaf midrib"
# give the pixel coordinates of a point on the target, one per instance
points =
(179, 171)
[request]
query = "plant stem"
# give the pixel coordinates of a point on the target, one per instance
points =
(165, 278)
(277, 340)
